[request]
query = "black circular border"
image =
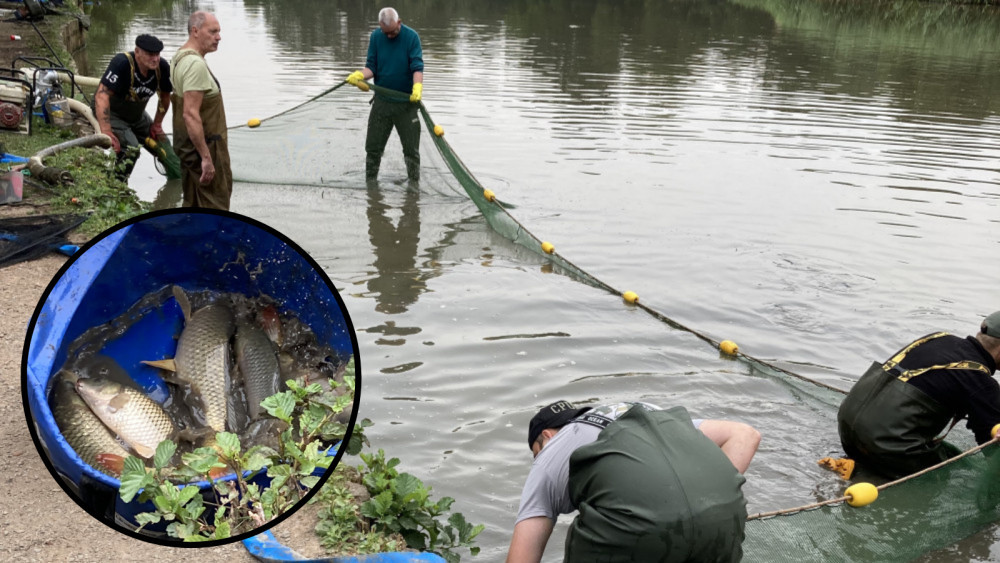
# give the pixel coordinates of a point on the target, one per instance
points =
(274, 521)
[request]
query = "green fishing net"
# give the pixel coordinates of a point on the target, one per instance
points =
(321, 143)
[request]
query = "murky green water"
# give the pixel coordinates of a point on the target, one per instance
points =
(817, 181)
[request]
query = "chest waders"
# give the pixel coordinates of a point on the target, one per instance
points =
(216, 193)
(653, 488)
(893, 426)
(384, 116)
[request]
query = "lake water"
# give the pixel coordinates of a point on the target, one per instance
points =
(816, 181)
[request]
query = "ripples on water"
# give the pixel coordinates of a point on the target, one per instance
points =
(816, 185)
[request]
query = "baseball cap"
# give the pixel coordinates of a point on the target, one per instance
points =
(991, 325)
(149, 43)
(556, 415)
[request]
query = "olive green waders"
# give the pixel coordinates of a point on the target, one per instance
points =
(890, 426)
(652, 488)
(383, 117)
(215, 194)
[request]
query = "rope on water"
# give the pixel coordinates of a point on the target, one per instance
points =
(465, 177)
(882, 487)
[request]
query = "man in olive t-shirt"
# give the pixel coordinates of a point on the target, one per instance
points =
(200, 136)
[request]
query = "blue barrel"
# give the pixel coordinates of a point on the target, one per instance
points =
(267, 549)
(196, 249)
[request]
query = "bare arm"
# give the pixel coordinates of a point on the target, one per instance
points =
(737, 440)
(196, 132)
(102, 108)
(418, 77)
(530, 537)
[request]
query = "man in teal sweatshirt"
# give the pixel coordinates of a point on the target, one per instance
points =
(395, 61)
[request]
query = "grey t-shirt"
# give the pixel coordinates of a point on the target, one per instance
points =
(546, 491)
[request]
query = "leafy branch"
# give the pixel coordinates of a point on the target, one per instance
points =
(240, 504)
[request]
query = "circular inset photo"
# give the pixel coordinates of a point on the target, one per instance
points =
(191, 375)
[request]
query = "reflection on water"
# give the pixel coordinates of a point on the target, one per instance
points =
(398, 283)
(814, 180)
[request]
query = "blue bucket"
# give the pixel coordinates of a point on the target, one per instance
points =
(197, 250)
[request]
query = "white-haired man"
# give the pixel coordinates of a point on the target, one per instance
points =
(396, 62)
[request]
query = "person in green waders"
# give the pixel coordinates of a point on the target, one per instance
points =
(200, 136)
(649, 484)
(891, 420)
(131, 79)
(395, 61)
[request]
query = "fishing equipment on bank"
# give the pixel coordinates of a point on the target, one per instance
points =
(305, 146)
(32, 236)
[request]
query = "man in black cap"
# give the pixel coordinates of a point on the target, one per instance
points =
(120, 103)
(650, 484)
(891, 420)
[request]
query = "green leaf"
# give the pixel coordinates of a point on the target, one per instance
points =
(406, 485)
(280, 405)
(256, 462)
(309, 482)
(133, 478)
(311, 418)
(444, 504)
(202, 460)
(164, 452)
(187, 493)
(144, 518)
(229, 443)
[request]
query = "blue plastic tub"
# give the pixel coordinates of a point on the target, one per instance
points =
(195, 249)
(266, 548)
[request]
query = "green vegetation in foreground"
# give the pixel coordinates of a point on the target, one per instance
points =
(95, 187)
(240, 506)
(400, 512)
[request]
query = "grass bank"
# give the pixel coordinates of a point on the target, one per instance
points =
(94, 187)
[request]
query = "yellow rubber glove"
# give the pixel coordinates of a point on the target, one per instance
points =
(841, 466)
(418, 89)
(355, 77)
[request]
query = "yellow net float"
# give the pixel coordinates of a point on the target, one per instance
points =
(995, 431)
(630, 297)
(438, 130)
(729, 347)
(548, 248)
(861, 494)
(253, 123)
(489, 195)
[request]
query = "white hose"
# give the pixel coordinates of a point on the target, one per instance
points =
(84, 110)
(39, 170)
(88, 81)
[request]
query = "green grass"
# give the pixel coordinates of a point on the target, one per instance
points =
(94, 188)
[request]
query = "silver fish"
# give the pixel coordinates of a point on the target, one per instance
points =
(128, 412)
(258, 362)
(84, 432)
(202, 358)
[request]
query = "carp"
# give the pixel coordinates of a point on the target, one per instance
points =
(258, 363)
(202, 359)
(128, 412)
(83, 430)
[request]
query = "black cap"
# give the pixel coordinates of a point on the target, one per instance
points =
(991, 325)
(556, 415)
(149, 43)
